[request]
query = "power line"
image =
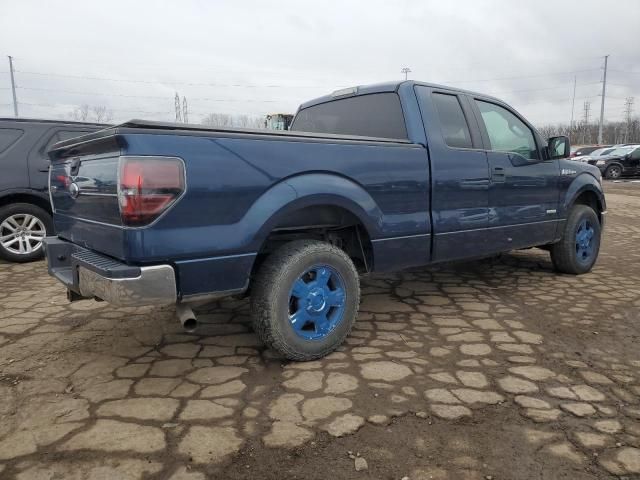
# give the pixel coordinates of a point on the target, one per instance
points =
(142, 96)
(171, 82)
(522, 76)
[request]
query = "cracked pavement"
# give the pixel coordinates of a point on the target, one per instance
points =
(492, 369)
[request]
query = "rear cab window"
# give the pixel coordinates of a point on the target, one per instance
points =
(453, 123)
(371, 115)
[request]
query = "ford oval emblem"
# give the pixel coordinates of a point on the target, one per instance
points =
(74, 190)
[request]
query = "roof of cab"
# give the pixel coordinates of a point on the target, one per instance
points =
(382, 88)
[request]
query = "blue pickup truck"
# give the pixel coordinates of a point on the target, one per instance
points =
(368, 179)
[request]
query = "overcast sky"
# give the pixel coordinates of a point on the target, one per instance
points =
(256, 57)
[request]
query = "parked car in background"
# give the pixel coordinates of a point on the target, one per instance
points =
(596, 153)
(622, 161)
(580, 153)
(25, 211)
(368, 179)
(586, 150)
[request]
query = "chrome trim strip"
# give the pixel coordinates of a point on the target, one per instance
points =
(500, 226)
(156, 285)
(400, 238)
(223, 257)
(97, 194)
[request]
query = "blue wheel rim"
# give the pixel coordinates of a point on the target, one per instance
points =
(585, 244)
(317, 302)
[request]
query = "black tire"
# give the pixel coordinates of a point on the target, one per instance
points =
(613, 172)
(271, 301)
(18, 210)
(564, 254)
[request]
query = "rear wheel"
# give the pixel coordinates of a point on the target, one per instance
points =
(613, 172)
(23, 227)
(577, 252)
(305, 299)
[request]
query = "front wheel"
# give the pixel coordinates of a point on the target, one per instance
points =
(577, 251)
(23, 227)
(613, 172)
(304, 299)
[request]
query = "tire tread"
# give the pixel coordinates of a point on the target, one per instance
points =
(272, 272)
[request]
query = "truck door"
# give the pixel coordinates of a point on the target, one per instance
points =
(523, 192)
(459, 175)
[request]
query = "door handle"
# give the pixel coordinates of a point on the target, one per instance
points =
(498, 175)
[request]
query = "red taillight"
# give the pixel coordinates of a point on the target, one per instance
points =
(148, 186)
(63, 180)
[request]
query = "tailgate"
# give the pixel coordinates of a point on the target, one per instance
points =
(86, 188)
(83, 185)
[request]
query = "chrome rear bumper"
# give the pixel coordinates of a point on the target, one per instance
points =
(87, 274)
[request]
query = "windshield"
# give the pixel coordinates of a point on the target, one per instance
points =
(622, 150)
(602, 151)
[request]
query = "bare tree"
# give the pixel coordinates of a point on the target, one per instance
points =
(229, 120)
(102, 114)
(91, 113)
(612, 132)
(80, 113)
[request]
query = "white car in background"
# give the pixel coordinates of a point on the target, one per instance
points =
(596, 153)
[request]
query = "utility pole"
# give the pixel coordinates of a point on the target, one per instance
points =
(406, 71)
(573, 102)
(585, 122)
(13, 88)
(185, 110)
(604, 88)
(178, 109)
(628, 110)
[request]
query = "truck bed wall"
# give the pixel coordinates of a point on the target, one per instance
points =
(239, 188)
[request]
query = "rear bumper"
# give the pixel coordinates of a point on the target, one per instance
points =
(90, 275)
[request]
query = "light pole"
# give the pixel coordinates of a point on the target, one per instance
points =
(406, 71)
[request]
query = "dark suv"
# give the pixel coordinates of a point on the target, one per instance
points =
(25, 212)
(621, 161)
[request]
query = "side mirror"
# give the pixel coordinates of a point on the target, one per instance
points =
(559, 147)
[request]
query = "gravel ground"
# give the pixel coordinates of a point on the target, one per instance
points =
(498, 369)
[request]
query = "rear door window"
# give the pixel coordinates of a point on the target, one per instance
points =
(372, 115)
(9, 136)
(452, 121)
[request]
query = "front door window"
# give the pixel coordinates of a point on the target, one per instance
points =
(507, 133)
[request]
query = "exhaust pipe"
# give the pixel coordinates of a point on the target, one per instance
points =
(187, 318)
